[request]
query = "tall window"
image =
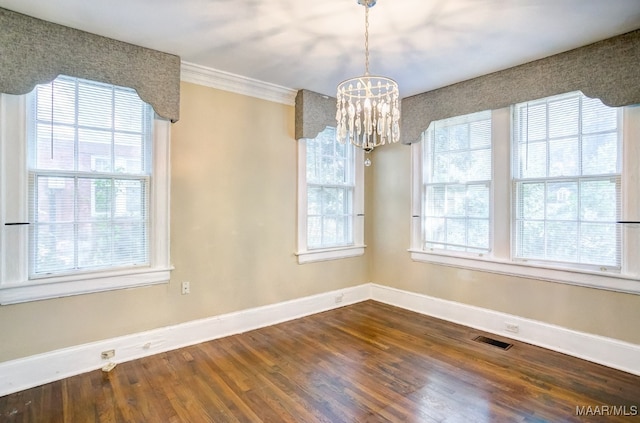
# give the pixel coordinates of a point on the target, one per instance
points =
(567, 176)
(457, 184)
(87, 200)
(89, 177)
(330, 203)
(564, 172)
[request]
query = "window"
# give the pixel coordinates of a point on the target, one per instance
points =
(564, 171)
(93, 187)
(567, 179)
(457, 184)
(330, 217)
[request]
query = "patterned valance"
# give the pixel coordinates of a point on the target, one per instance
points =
(608, 70)
(33, 51)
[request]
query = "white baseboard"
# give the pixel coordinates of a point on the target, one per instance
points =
(598, 349)
(24, 373)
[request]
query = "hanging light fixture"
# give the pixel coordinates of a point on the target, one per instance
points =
(368, 106)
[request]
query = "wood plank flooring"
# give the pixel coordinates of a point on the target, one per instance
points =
(367, 362)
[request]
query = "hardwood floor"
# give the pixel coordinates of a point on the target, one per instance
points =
(367, 362)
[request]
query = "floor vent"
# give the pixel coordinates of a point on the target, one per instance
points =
(505, 346)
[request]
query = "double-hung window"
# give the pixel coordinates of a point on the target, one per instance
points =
(567, 181)
(330, 216)
(536, 190)
(91, 211)
(457, 184)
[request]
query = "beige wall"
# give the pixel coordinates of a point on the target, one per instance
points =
(233, 233)
(388, 193)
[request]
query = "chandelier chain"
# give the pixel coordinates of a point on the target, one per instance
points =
(366, 39)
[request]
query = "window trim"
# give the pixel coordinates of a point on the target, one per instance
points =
(13, 124)
(307, 255)
(500, 261)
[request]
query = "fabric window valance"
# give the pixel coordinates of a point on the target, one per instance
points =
(33, 51)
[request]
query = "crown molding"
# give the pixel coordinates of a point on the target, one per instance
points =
(226, 81)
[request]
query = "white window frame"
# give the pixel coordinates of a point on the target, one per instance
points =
(15, 284)
(307, 255)
(499, 260)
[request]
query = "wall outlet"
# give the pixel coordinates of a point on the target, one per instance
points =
(511, 327)
(186, 288)
(105, 355)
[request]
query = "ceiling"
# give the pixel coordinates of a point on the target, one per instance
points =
(422, 44)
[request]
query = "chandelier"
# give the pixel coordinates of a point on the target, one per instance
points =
(368, 106)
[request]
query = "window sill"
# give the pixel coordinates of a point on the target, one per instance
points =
(325, 254)
(601, 280)
(65, 286)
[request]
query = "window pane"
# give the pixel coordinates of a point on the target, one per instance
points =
(480, 134)
(54, 247)
(564, 157)
(564, 117)
(54, 199)
(95, 106)
(128, 113)
(314, 231)
(456, 232)
(435, 198)
(599, 200)
(455, 200)
(531, 201)
(600, 154)
(562, 242)
(530, 239)
(434, 229)
(562, 201)
(598, 244)
(478, 197)
(129, 153)
(130, 245)
(314, 201)
(94, 245)
(596, 117)
(56, 155)
(532, 161)
(478, 233)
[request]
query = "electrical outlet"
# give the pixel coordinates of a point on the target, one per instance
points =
(186, 288)
(105, 355)
(511, 327)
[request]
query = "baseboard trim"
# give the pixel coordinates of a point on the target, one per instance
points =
(24, 373)
(598, 349)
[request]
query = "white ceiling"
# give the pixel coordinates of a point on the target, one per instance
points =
(422, 44)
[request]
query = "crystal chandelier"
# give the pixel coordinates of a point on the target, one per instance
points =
(368, 107)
